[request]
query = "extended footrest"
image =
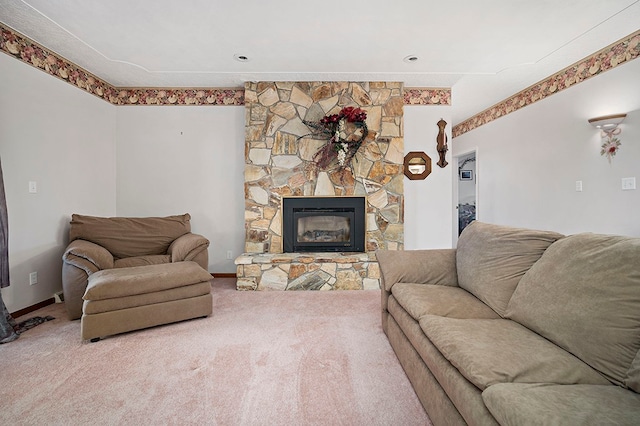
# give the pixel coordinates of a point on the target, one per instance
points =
(126, 299)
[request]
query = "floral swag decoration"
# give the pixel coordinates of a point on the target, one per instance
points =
(610, 144)
(346, 132)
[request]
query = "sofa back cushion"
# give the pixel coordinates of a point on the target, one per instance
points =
(130, 236)
(584, 295)
(491, 259)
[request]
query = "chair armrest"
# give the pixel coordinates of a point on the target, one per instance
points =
(81, 259)
(418, 266)
(88, 256)
(187, 247)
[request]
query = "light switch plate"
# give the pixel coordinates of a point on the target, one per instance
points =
(628, 183)
(578, 186)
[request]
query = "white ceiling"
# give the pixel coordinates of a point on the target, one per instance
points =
(485, 50)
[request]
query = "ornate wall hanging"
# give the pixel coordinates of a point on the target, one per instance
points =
(417, 165)
(441, 140)
(346, 132)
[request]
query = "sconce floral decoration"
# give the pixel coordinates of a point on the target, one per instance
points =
(610, 146)
(346, 132)
(608, 126)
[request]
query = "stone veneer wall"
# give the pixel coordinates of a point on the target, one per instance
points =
(279, 157)
(279, 162)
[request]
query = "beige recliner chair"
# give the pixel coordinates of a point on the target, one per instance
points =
(99, 243)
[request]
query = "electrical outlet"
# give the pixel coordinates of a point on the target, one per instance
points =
(33, 187)
(578, 186)
(33, 278)
(229, 254)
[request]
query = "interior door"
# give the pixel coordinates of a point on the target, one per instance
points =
(467, 190)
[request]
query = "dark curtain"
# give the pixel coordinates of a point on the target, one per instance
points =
(8, 325)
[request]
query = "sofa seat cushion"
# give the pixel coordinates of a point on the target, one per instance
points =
(427, 299)
(490, 351)
(584, 295)
(129, 262)
(491, 259)
(91, 307)
(549, 404)
(123, 282)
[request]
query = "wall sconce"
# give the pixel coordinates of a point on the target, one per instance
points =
(608, 126)
(607, 123)
(441, 143)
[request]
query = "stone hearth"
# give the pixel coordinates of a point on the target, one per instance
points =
(279, 162)
(308, 271)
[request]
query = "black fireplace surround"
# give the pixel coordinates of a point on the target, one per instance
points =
(323, 224)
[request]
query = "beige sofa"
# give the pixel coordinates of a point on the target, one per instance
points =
(99, 243)
(518, 327)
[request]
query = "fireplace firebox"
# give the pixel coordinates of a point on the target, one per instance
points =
(323, 224)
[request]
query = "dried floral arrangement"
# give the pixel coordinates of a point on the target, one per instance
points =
(346, 132)
(610, 146)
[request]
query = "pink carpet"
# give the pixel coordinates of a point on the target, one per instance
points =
(262, 358)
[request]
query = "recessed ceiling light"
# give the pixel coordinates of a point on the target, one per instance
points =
(241, 58)
(410, 59)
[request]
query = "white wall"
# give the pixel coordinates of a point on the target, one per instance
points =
(174, 160)
(529, 161)
(63, 139)
(93, 158)
(428, 204)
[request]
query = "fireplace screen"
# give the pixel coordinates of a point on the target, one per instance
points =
(323, 224)
(316, 229)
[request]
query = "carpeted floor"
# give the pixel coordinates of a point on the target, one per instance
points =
(262, 358)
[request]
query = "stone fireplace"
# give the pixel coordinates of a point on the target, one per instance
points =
(279, 165)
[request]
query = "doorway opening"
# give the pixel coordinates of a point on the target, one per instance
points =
(467, 190)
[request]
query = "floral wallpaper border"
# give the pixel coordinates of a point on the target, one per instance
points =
(180, 96)
(30, 52)
(608, 58)
(427, 96)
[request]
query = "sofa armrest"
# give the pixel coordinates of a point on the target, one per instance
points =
(418, 266)
(187, 247)
(88, 256)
